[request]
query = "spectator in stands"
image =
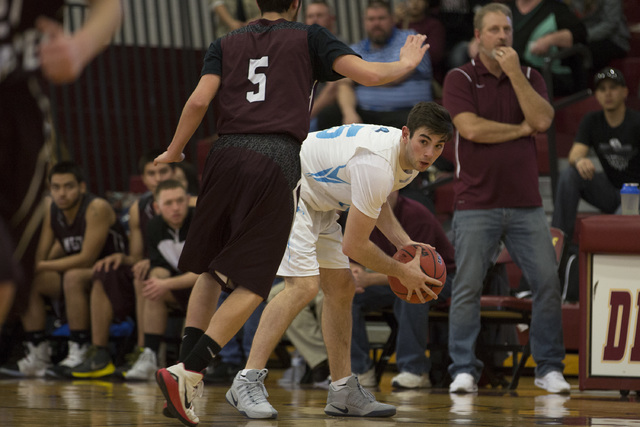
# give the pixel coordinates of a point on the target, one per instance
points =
(118, 278)
(614, 135)
(457, 18)
(607, 31)
(541, 29)
(387, 105)
(78, 229)
(414, 14)
(321, 13)
(166, 287)
(187, 175)
(233, 14)
(497, 106)
(373, 293)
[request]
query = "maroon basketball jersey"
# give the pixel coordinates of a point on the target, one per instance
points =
(268, 71)
(18, 36)
(71, 236)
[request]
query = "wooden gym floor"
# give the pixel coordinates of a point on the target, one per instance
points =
(40, 402)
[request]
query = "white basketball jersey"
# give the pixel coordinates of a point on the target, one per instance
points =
(327, 156)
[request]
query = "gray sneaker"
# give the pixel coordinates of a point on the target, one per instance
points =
(249, 396)
(355, 401)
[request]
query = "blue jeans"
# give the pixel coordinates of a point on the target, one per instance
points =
(571, 188)
(477, 236)
(237, 349)
(413, 329)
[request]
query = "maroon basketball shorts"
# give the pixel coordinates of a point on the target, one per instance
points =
(245, 210)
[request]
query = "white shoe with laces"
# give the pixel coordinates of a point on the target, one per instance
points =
(145, 367)
(35, 362)
(354, 401)
(463, 383)
(249, 396)
(553, 382)
(409, 380)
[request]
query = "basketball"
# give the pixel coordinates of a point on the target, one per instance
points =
(431, 264)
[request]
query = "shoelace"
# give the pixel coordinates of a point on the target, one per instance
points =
(76, 356)
(256, 391)
(198, 391)
(368, 395)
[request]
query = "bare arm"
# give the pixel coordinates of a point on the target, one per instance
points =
(391, 228)
(380, 73)
(537, 111)
(64, 56)
(192, 114)
(347, 102)
(136, 241)
(223, 12)
(561, 38)
(477, 129)
(99, 218)
(357, 246)
(47, 238)
(579, 160)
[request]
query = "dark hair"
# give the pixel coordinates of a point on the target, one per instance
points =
(433, 116)
(278, 6)
(65, 167)
(380, 4)
(149, 157)
(190, 172)
(169, 184)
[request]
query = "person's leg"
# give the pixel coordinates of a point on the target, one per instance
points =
(76, 283)
(45, 284)
(338, 288)
(528, 241)
(231, 352)
(101, 315)
(140, 302)
(7, 291)
(374, 297)
(305, 333)
(413, 333)
(476, 241)
(277, 317)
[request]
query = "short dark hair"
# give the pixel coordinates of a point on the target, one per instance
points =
(379, 4)
(278, 6)
(148, 157)
(168, 184)
(431, 115)
(65, 167)
(190, 172)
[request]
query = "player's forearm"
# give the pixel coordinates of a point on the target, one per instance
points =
(191, 117)
(391, 228)
(67, 263)
(485, 131)
(104, 19)
(366, 253)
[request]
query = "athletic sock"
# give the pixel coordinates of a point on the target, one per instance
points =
(189, 340)
(35, 337)
(81, 336)
(153, 341)
(204, 350)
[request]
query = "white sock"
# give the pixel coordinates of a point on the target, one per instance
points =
(244, 372)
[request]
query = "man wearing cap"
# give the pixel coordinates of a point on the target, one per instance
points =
(614, 135)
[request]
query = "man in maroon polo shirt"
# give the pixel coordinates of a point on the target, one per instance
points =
(497, 107)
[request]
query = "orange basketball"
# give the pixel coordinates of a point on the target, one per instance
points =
(431, 264)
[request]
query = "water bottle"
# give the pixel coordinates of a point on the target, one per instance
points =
(630, 198)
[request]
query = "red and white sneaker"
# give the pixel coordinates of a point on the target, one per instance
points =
(180, 387)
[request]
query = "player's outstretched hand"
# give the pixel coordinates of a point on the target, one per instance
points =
(414, 49)
(167, 157)
(60, 55)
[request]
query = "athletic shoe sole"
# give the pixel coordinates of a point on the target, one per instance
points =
(170, 391)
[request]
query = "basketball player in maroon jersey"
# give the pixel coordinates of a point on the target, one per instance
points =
(24, 114)
(261, 79)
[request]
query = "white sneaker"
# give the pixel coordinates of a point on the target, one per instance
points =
(249, 396)
(76, 355)
(180, 387)
(553, 382)
(368, 379)
(463, 383)
(145, 367)
(34, 364)
(409, 380)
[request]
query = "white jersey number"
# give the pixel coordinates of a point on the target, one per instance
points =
(259, 79)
